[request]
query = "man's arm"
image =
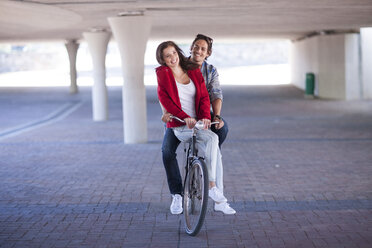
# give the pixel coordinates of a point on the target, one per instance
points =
(216, 106)
(215, 93)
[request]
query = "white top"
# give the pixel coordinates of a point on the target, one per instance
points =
(186, 93)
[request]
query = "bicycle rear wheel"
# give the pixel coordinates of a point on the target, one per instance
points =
(195, 198)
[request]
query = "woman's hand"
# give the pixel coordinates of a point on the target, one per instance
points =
(166, 117)
(190, 122)
(207, 123)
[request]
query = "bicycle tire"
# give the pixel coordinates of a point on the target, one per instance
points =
(195, 200)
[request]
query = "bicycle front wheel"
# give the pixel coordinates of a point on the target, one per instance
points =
(195, 198)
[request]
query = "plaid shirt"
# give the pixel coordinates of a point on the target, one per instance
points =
(210, 76)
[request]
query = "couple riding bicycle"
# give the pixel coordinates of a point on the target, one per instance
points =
(183, 93)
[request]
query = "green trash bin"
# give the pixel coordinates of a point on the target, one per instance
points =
(310, 84)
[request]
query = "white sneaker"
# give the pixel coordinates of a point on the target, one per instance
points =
(217, 195)
(224, 207)
(176, 206)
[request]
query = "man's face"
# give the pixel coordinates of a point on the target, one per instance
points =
(199, 51)
(170, 57)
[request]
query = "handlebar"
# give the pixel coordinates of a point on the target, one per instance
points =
(198, 125)
(176, 118)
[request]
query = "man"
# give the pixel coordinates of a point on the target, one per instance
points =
(201, 49)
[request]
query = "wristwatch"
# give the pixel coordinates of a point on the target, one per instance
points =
(218, 117)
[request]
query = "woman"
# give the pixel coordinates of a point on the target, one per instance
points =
(182, 92)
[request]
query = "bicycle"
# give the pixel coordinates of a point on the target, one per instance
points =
(196, 184)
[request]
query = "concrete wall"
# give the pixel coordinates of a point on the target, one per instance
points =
(304, 59)
(366, 47)
(334, 59)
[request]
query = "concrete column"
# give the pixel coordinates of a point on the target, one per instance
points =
(97, 43)
(353, 83)
(366, 53)
(72, 47)
(131, 34)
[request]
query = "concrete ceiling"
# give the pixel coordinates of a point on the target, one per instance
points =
(177, 19)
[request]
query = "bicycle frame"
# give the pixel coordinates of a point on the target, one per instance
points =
(193, 145)
(191, 153)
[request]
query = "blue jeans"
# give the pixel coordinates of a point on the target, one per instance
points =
(169, 148)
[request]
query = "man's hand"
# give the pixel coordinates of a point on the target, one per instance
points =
(166, 117)
(190, 122)
(220, 124)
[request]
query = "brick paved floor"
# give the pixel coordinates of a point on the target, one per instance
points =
(298, 172)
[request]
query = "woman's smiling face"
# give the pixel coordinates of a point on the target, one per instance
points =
(170, 57)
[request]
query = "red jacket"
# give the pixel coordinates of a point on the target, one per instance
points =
(168, 95)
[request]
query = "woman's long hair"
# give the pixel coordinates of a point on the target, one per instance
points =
(185, 63)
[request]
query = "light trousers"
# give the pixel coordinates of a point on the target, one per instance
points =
(207, 141)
